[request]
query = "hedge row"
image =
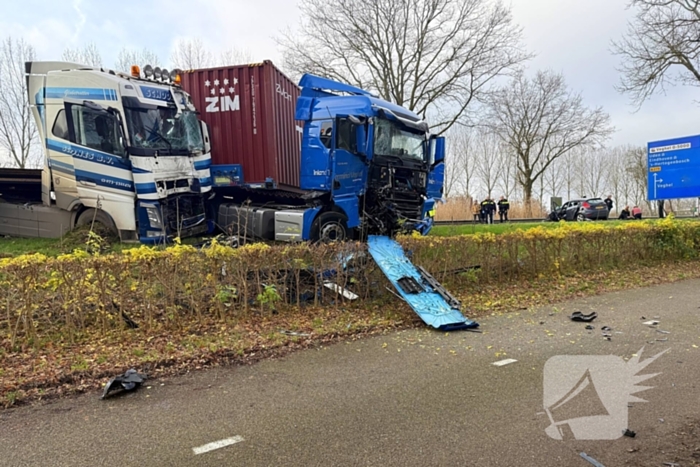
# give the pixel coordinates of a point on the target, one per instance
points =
(167, 288)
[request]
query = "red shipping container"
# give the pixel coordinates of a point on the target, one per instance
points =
(250, 113)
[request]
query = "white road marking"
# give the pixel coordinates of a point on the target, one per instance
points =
(504, 362)
(217, 444)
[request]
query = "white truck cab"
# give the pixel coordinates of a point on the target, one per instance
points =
(126, 151)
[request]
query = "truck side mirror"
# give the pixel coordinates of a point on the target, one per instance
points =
(205, 137)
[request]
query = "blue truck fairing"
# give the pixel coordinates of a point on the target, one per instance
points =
(435, 306)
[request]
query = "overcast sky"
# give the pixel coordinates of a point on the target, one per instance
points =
(568, 36)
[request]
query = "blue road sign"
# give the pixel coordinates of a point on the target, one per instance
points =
(674, 168)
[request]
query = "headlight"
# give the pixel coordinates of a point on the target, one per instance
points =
(157, 72)
(165, 74)
(148, 71)
(154, 217)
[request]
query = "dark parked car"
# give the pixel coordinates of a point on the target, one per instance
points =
(581, 210)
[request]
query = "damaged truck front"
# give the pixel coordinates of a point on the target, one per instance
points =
(121, 150)
(374, 162)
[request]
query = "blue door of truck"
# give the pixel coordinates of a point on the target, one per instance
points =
(348, 166)
(436, 177)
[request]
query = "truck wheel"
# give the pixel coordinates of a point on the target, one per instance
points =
(330, 227)
(104, 224)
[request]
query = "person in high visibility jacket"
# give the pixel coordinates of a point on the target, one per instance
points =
(503, 207)
(488, 207)
(476, 211)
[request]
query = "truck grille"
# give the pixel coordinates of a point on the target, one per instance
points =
(185, 214)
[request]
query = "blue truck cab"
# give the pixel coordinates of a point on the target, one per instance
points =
(368, 167)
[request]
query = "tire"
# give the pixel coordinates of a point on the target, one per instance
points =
(330, 227)
(580, 217)
(101, 218)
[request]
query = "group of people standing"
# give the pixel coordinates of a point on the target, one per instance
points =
(635, 213)
(483, 212)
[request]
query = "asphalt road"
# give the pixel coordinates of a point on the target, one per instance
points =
(412, 398)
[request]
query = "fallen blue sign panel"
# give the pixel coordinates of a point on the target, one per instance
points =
(435, 306)
(674, 168)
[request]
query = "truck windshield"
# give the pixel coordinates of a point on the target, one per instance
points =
(391, 139)
(162, 129)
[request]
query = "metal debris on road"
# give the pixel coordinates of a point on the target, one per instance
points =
(653, 322)
(663, 332)
(507, 361)
(129, 381)
(591, 460)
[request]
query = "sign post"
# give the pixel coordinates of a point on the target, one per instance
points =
(673, 168)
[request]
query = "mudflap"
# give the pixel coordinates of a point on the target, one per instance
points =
(435, 305)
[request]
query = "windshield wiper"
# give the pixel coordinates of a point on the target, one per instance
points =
(153, 131)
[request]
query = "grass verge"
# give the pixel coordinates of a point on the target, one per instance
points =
(56, 368)
(498, 228)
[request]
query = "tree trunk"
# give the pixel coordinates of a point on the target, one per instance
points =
(527, 196)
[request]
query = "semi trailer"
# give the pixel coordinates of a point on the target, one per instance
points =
(319, 161)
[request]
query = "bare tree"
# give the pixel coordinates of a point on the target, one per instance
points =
(488, 160)
(87, 55)
(435, 57)
(592, 170)
(234, 56)
(636, 162)
(660, 47)
(555, 177)
(190, 54)
(17, 130)
(540, 120)
(615, 176)
(452, 177)
(462, 149)
(128, 57)
(506, 179)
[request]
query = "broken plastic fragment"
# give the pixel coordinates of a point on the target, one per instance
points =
(507, 361)
(591, 460)
(578, 316)
(129, 381)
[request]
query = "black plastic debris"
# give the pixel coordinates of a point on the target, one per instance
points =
(129, 381)
(578, 316)
(629, 433)
(590, 327)
(606, 329)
